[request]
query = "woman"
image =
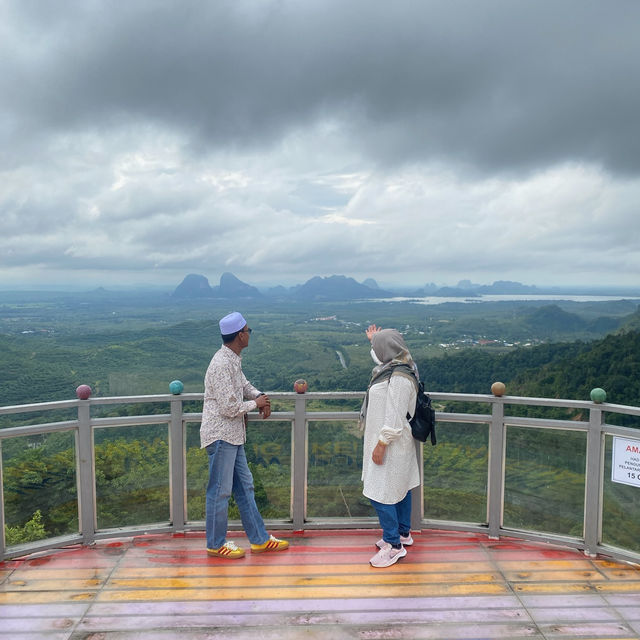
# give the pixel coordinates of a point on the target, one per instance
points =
(390, 465)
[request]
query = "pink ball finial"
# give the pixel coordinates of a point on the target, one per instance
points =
(83, 391)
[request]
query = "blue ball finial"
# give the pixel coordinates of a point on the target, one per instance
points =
(176, 387)
(598, 395)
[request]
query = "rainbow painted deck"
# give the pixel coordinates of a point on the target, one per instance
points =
(450, 585)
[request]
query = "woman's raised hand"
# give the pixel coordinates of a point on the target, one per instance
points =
(371, 330)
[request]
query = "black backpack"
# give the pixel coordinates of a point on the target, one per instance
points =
(423, 423)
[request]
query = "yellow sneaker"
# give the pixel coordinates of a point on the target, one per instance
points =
(228, 550)
(272, 544)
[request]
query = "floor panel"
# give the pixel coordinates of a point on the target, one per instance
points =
(449, 586)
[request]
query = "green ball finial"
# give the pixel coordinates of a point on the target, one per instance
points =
(176, 387)
(598, 395)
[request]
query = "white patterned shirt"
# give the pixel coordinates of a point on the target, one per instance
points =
(228, 396)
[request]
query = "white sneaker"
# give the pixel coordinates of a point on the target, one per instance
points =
(387, 556)
(405, 541)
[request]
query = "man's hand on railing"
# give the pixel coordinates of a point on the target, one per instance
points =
(264, 405)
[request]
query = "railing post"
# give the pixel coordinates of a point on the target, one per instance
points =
(299, 448)
(177, 467)
(86, 474)
(495, 483)
(417, 494)
(593, 483)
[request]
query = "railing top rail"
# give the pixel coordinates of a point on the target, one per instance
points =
(164, 397)
(620, 408)
(38, 406)
(324, 395)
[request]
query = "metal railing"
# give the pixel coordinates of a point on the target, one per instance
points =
(502, 490)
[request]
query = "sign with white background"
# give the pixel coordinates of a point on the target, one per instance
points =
(625, 466)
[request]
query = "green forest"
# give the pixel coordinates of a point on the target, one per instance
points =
(124, 346)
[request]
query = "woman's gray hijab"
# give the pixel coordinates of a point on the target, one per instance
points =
(391, 350)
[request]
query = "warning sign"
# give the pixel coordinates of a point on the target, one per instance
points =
(625, 467)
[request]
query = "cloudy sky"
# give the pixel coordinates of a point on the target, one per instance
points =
(409, 141)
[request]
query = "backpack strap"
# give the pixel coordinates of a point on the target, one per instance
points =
(406, 371)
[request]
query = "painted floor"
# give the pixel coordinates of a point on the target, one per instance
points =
(449, 586)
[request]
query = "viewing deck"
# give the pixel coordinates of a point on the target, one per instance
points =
(521, 528)
(450, 585)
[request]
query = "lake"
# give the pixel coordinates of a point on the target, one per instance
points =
(511, 298)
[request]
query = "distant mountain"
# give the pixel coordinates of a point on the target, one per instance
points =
(553, 318)
(193, 286)
(197, 286)
(467, 284)
(507, 287)
(428, 290)
(632, 322)
(232, 287)
(278, 292)
(468, 289)
(336, 288)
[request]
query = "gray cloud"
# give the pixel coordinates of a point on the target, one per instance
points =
(495, 84)
(284, 138)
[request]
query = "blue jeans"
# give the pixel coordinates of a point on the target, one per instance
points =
(395, 519)
(229, 474)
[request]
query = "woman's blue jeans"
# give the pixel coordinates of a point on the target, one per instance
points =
(229, 474)
(395, 519)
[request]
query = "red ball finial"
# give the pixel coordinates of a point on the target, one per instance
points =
(83, 392)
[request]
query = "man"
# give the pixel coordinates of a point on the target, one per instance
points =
(228, 397)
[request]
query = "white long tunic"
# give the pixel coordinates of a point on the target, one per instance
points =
(386, 421)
